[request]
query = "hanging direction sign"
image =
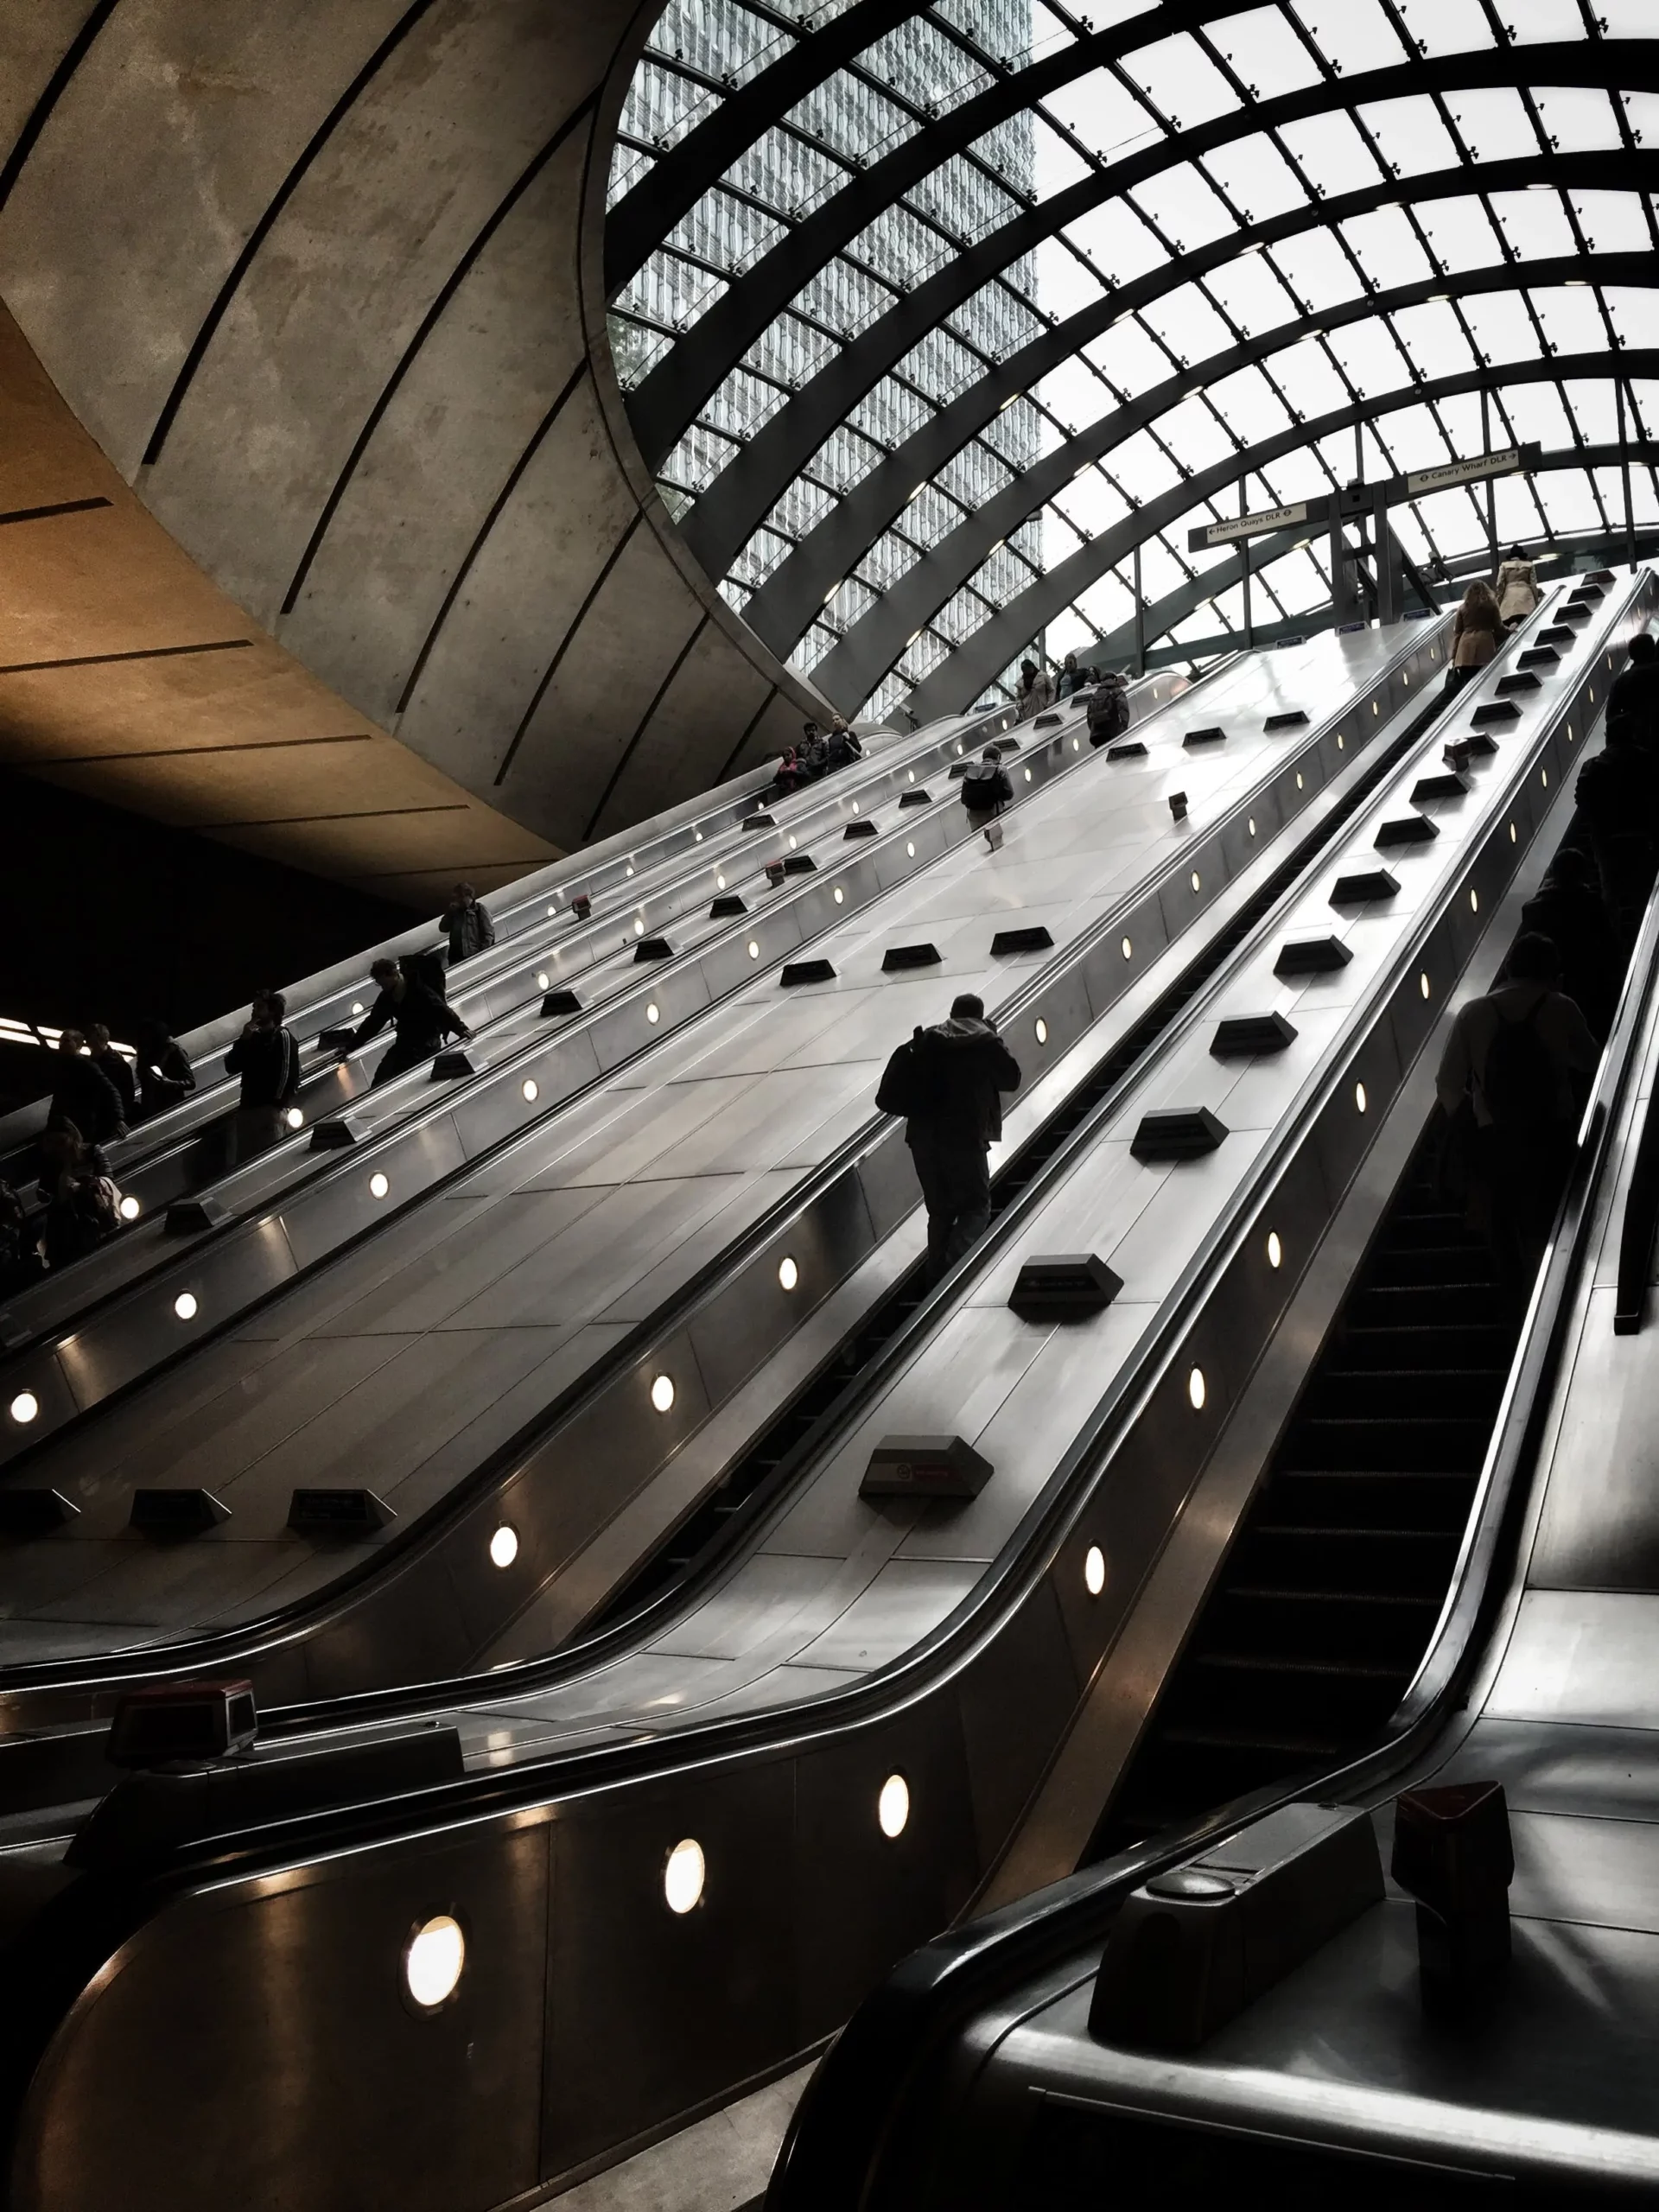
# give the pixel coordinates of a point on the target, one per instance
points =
(1224, 533)
(1450, 474)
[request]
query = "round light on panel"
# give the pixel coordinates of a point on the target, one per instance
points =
(1128, 948)
(911, 851)
(1196, 1390)
(25, 1407)
(552, 912)
(543, 980)
(185, 1305)
(1275, 1250)
(379, 1185)
(530, 1089)
(1198, 880)
(1250, 825)
(1376, 706)
(1042, 1030)
(639, 925)
(754, 949)
(961, 748)
(1569, 733)
(654, 1013)
(434, 1958)
(1360, 1099)
(1299, 779)
(662, 1393)
(791, 844)
(684, 1876)
(630, 868)
(130, 1209)
(697, 835)
(357, 1006)
(1076, 745)
(504, 1546)
(1512, 834)
(840, 896)
(788, 1274)
(893, 1805)
(1339, 745)
(1094, 1570)
(1028, 775)
(1422, 983)
(1543, 778)
(720, 883)
(855, 802)
(1474, 902)
(295, 1118)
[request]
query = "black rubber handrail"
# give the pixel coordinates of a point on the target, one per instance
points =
(1641, 1223)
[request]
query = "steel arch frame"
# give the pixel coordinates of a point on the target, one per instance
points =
(933, 581)
(994, 644)
(667, 402)
(782, 609)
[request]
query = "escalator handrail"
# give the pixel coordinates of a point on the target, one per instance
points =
(1641, 1223)
(853, 2135)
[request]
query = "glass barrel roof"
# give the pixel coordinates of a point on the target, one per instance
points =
(933, 319)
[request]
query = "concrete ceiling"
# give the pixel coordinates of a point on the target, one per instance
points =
(354, 561)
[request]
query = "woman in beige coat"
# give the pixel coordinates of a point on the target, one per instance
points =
(1474, 636)
(1516, 587)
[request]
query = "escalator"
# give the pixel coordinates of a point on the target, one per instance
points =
(1323, 1607)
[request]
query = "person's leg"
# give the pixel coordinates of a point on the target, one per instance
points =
(970, 1174)
(936, 1197)
(399, 1060)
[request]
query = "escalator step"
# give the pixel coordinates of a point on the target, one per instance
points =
(1460, 1301)
(1417, 1267)
(1365, 1498)
(1440, 1442)
(1410, 1349)
(1447, 1392)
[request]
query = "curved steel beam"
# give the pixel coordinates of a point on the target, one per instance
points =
(742, 495)
(859, 661)
(662, 200)
(995, 643)
(667, 402)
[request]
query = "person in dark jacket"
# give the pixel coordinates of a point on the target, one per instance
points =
(948, 1083)
(1566, 908)
(844, 744)
(266, 1056)
(77, 1196)
(466, 924)
(985, 792)
(113, 1067)
(83, 1098)
(1634, 692)
(421, 1019)
(1618, 792)
(165, 1076)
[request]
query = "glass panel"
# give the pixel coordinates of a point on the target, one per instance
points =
(1537, 415)
(1181, 81)
(1413, 138)
(1414, 439)
(1635, 314)
(1515, 504)
(1142, 468)
(1308, 381)
(1446, 26)
(1459, 233)
(1104, 113)
(1118, 242)
(1331, 153)
(1126, 354)
(1535, 225)
(1434, 338)
(1388, 249)
(1250, 404)
(1533, 22)
(1249, 290)
(1355, 34)
(1641, 113)
(1577, 118)
(1613, 222)
(1595, 409)
(1192, 431)
(1569, 501)
(1368, 353)
(1317, 269)
(1503, 329)
(1188, 324)
(1185, 208)
(1495, 127)
(1266, 52)
(1572, 320)
(1452, 521)
(1256, 178)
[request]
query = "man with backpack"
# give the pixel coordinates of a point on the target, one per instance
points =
(1109, 709)
(947, 1082)
(266, 1057)
(985, 792)
(1510, 1060)
(419, 1014)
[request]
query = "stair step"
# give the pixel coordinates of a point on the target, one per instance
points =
(1439, 1442)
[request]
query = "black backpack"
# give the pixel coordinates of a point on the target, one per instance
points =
(1520, 1077)
(430, 968)
(1109, 713)
(985, 787)
(907, 1087)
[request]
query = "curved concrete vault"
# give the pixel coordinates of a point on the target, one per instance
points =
(349, 558)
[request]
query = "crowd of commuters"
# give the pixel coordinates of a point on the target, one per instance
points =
(820, 753)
